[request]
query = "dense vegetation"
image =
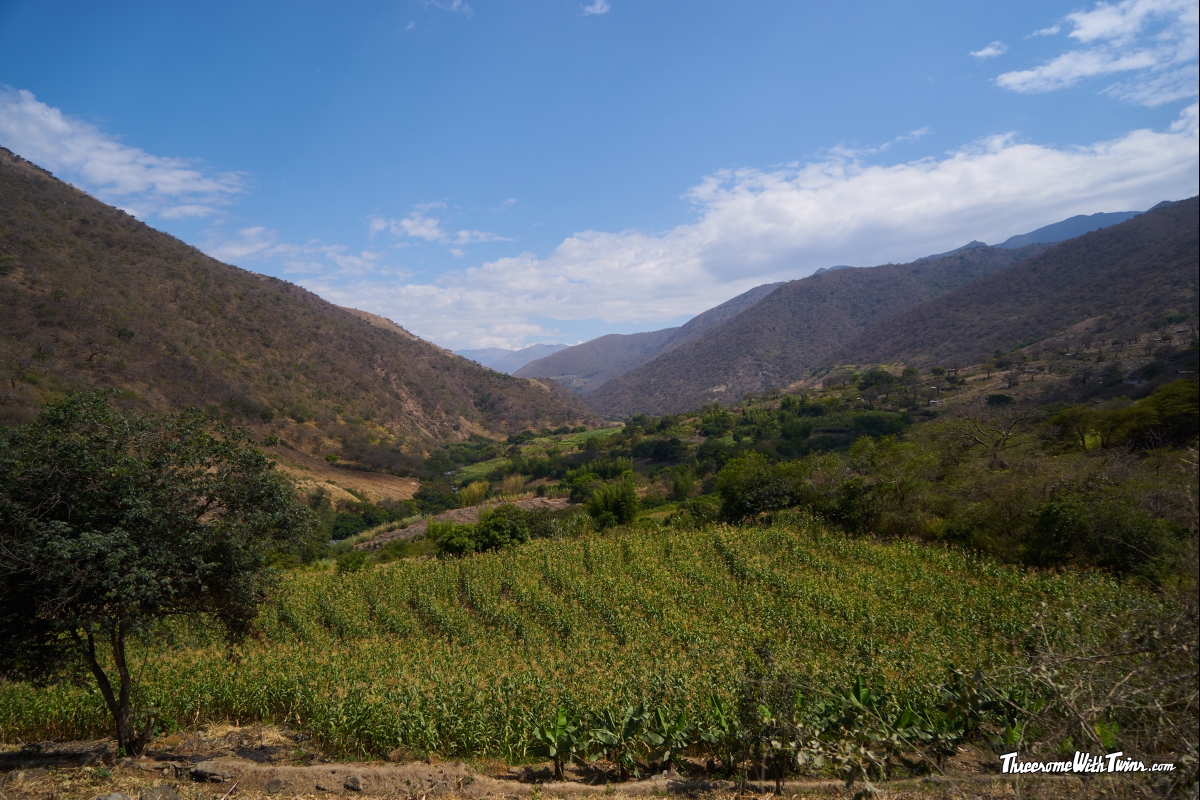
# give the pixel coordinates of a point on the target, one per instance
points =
(463, 656)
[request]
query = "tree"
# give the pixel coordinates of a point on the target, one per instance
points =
(111, 521)
(615, 503)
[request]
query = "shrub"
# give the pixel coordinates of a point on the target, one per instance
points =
(614, 503)
(473, 494)
(750, 485)
(512, 484)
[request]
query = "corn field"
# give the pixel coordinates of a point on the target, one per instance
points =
(461, 657)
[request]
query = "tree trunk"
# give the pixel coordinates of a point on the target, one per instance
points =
(130, 742)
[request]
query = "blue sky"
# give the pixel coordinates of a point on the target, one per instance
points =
(500, 174)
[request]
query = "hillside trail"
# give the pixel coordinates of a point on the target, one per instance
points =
(460, 516)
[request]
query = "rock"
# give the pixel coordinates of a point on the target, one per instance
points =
(126, 763)
(210, 772)
(36, 772)
(353, 783)
(160, 793)
(323, 788)
(113, 796)
(274, 786)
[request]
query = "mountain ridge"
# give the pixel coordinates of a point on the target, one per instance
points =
(1129, 273)
(792, 330)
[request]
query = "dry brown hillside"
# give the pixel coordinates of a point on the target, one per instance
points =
(794, 329)
(93, 298)
(1129, 275)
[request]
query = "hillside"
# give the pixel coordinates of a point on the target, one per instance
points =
(588, 366)
(1124, 278)
(793, 330)
(94, 298)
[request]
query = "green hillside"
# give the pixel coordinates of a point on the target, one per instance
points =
(94, 298)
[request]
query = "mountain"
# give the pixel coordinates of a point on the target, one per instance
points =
(585, 367)
(484, 356)
(1068, 228)
(94, 298)
(509, 361)
(791, 331)
(1124, 277)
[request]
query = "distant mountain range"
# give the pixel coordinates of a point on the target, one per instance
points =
(94, 298)
(586, 366)
(1068, 228)
(778, 333)
(509, 361)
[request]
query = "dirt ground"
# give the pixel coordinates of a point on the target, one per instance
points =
(311, 473)
(459, 516)
(258, 763)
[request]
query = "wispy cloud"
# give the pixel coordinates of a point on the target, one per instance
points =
(597, 7)
(420, 225)
(991, 51)
(453, 6)
(259, 244)
(754, 226)
(1156, 41)
(128, 176)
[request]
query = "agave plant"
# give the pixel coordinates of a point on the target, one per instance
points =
(558, 741)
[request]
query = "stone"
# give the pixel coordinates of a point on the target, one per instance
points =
(36, 772)
(323, 788)
(210, 772)
(160, 793)
(274, 786)
(353, 783)
(113, 796)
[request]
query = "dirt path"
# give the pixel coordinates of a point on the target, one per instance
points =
(261, 762)
(459, 516)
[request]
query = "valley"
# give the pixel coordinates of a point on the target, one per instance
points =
(695, 567)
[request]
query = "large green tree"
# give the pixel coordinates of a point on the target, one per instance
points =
(111, 521)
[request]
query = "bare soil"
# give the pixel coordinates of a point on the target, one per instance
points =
(261, 762)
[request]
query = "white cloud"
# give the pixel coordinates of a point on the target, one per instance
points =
(419, 225)
(1156, 40)
(597, 7)
(146, 184)
(991, 51)
(754, 226)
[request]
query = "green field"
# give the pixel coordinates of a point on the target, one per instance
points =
(458, 656)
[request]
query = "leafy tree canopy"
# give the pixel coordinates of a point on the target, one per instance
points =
(110, 521)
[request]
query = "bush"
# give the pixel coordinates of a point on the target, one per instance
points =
(500, 527)
(435, 497)
(347, 525)
(614, 503)
(750, 485)
(473, 494)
